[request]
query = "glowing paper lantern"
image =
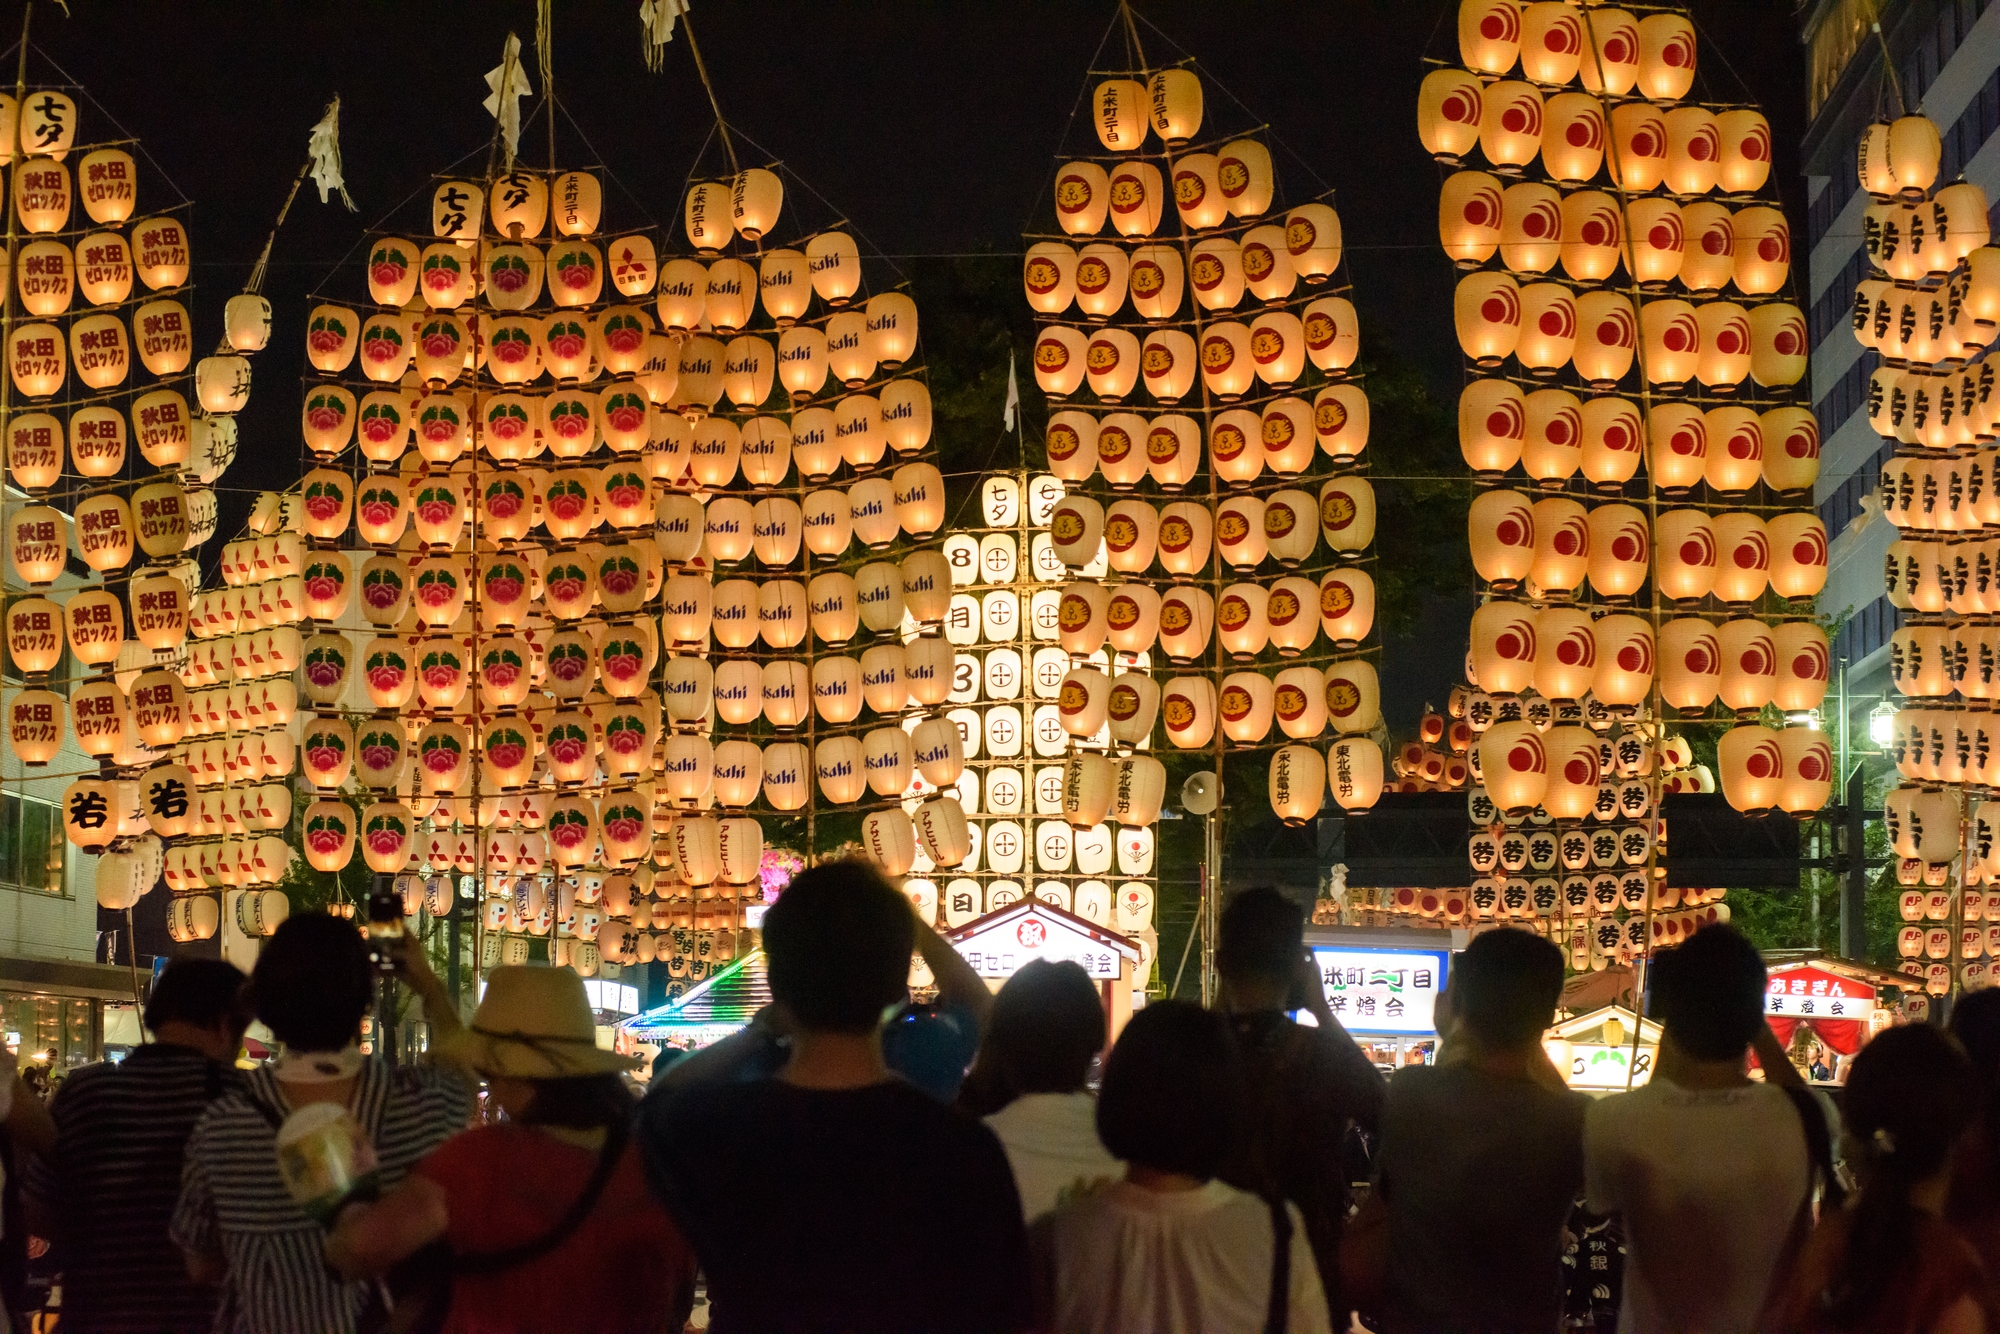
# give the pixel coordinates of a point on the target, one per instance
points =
(1450, 104)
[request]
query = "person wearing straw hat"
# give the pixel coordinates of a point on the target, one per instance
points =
(547, 1205)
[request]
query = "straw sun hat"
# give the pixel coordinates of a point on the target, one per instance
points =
(535, 1023)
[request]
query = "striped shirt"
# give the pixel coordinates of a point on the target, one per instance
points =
(111, 1186)
(234, 1204)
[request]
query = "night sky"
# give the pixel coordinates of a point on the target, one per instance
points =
(932, 124)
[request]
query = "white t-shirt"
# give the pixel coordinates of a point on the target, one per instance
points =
(1052, 1145)
(1127, 1260)
(1708, 1184)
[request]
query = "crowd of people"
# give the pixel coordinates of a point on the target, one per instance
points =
(855, 1161)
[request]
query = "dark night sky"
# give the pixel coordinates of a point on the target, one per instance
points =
(932, 123)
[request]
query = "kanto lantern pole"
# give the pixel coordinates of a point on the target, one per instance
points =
(13, 240)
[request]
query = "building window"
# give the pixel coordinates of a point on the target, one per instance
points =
(31, 845)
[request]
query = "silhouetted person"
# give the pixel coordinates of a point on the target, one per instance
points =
(836, 1195)
(1482, 1154)
(547, 1215)
(1709, 1172)
(1974, 1208)
(106, 1194)
(236, 1220)
(1303, 1087)
(1888, 1263)
(1031, 1082)
(1170, 1247)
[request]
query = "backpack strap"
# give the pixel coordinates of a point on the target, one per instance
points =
(1278, 1308)
(1819, 1148)
(493, 1262)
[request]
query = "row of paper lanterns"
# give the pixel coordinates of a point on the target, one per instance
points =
(1232, 358)
(1563, 652)
(1609, 50)
(1547, 326)
(1556, 542)
(1941, 236)
(1931, 661)
(1221, 270)
(571, 204)
(1553, 435)
(689, 373)
(1129, 616)
(1704, 246)
(859, 430)
(1761, 768)
(1931, 410)
(570, 504)
(1931, 329)
(1244, 530)
(49, 275)
(1282, 435)
(99, 435)
(1948, 744)
(1938, 577)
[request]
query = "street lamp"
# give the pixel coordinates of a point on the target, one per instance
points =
(1882, 723)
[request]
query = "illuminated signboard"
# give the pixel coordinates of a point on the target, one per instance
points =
(1382, 990)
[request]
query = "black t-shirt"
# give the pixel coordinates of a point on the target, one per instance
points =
(819, 1212)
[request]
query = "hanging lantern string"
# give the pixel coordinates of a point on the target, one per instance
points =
(1208, 76)
(1082, 97)
(82, 92)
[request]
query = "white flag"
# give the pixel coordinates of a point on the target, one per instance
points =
(1008, 413)
(324, 148)
(658, 18)
(509, 83)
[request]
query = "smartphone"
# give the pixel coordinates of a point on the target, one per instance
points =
(385, 923)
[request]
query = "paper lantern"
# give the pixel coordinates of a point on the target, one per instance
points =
(104, 532)
(1076, 529)
(1724, 344)
(1450, 103)
(1808, 770)
(1228, 363)
(1666, 57)
(1592, 236)
(1504, 646)
(1530, 227)
(1111, 364)
(1487, 311)
(1510, 123)
(1779, 352)
(1745, 162)
(1346, 514)
(1625, 657)
(1492, 425)
(1514, 758)
(1083, 197)
(42, 193)
(1694, 149)
(1573, 136)
(1187, 531)
(1548, 328)
(1562, 545)
(1138, 198)
(1745, 562)
(1347, 606)
(1049, 275)
(1059, 360)
(1803, 666)
(1620, 550)
(1188, 705)
(1672, 336)
(1354, 772)
(1565, 653)
(1353, 697)
(1239, 620)
(1573, 775)
(94, 624)
(1607, 337)
(1215, 269)
(1915, 149)
(1553, 447)
(1749, 664)
(36, 359)
(1638, 160)
(1690, 663)
(1501, 528)
(1753, 768)
(879, 593)
(1798, 549)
